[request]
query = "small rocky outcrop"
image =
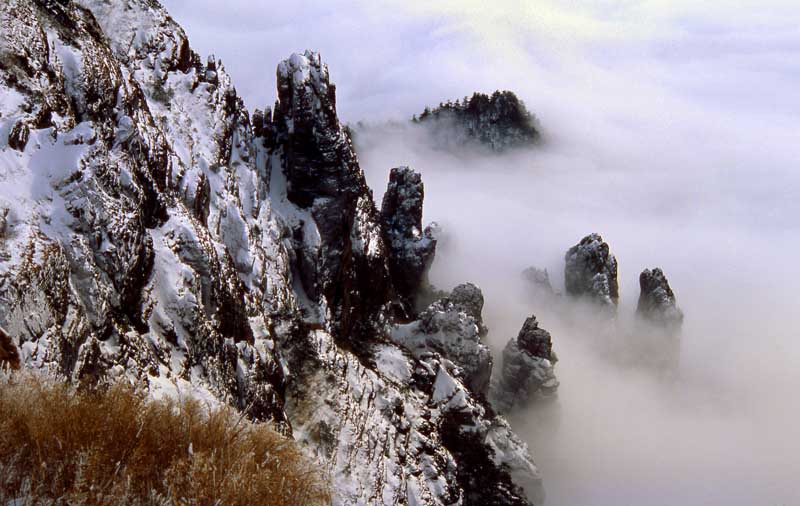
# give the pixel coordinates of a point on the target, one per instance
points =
(452, 327)
(18, 136)
(657, 304)
(4, 219)
(528, 372)
(469, 298)
(9, 356)
(659, 322)
(591, 272)
(500, 121)
(410, 248)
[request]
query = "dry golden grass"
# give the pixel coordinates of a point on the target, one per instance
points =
(62, 446)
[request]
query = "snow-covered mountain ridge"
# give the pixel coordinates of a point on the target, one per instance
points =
(151, 229)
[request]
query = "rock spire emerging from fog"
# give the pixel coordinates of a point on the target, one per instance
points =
(500, 121)
(345, 267)
(657, 304)
(590, 272)
(410, 248)
(659, 322)
(528, 369)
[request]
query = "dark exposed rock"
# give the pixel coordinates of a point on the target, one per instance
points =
(591, 272)
(411, 250)
(319, 160)
(323, 176)
(201, 199)
(657, 303)
(470, 298)
(18, 136)
(185, 58)
(263, 127)
(211, 75)
(499, 122)
(528, 369)
(9, 356)
(658, 324)
(4, 219)
(534, 340)
(476, 467)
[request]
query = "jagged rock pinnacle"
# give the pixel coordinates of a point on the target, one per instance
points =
(591, 272)
(657, 303)
(411, 249)
(527, 372)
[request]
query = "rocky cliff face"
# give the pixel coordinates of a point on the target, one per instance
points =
(152, 230)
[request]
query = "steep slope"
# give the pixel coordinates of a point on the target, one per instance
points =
(138, 238)
(151, 230)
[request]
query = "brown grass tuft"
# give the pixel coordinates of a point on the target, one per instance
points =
(63, 446)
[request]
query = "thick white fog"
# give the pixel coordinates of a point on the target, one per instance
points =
(724, 431)
(672, 130)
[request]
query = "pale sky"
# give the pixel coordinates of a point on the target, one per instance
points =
(389, 58)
